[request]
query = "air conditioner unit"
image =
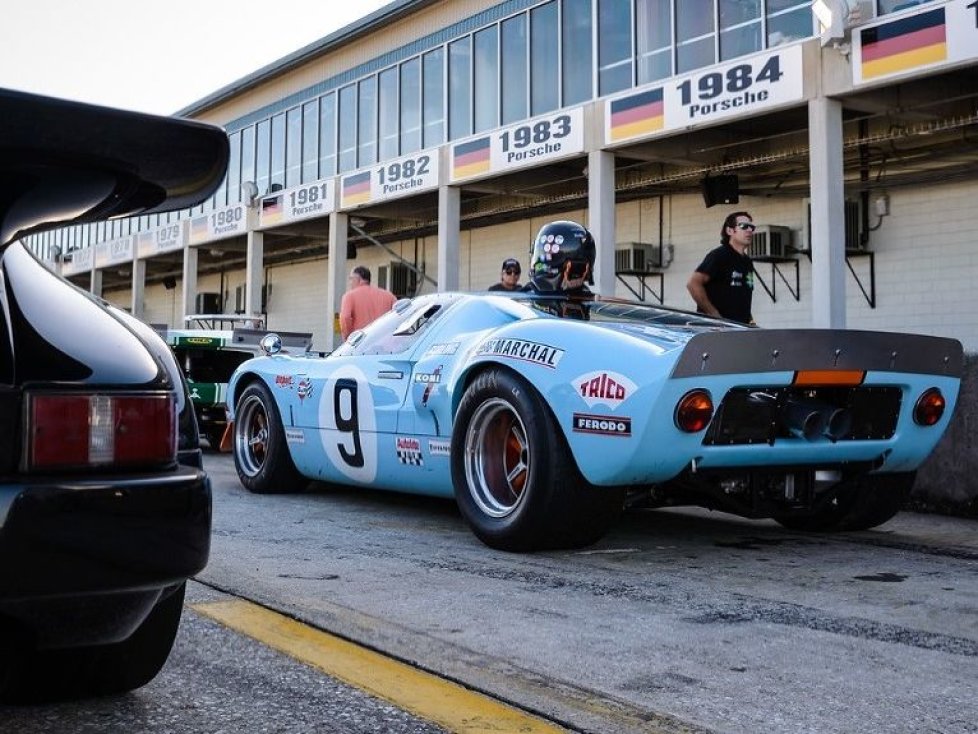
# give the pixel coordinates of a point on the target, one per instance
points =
(398, 278)
(771, 240)
(853, 223)
(638, 257)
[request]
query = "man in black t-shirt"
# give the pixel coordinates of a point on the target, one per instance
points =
(723, 283)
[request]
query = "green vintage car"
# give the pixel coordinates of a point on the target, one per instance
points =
(208, 354)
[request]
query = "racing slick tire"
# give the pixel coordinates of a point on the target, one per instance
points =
(31, 676)
(516, 483)
(860, 503)
(261, 456)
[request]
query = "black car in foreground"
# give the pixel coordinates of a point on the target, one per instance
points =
(104, 508)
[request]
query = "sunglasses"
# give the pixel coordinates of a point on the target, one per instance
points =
(511, 271)
(746, 226)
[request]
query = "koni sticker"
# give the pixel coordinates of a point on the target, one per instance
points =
(604, 425)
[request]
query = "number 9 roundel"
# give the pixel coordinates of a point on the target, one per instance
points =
(349, 435)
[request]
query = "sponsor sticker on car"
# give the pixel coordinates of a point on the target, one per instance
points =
(604, 425)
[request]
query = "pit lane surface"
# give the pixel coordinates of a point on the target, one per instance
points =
(678, 621)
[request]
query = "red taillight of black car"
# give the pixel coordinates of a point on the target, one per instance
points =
(79, 430)
(929, 407)
(694, 411)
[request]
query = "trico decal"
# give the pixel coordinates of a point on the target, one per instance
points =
(541, 354)
(607, 388)
(304, 389)
(284, 381)
(409, 451)
(439, 448)
(604, 425)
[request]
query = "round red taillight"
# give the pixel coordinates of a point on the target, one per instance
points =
(929, 408)
(694, 411)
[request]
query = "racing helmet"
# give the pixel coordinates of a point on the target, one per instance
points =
(562, 257)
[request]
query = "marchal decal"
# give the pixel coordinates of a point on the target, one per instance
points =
(526, 351)
(604, 388)
(604, 425)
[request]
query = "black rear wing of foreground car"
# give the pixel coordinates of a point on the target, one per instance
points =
(781, 350)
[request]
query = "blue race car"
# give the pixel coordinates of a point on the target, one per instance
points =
(543, 414)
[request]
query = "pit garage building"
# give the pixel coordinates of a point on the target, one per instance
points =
(431, 139)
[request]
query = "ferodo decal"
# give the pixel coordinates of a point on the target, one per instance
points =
(604, 388)
(526, 351)
(604, 425)
(295, 435)
(439, 448)
(409, 451)
(349, 426)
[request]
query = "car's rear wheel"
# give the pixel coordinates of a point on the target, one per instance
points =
(859, 503)
(516, 483)
(261, 455)
(28, 675)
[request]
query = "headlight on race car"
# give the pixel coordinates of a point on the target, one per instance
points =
(929, 407)
(78, 430)
(694, 411)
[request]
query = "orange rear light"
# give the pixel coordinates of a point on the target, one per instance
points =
(694, 411)
(929, 407)
(829, 377)
(83, 430)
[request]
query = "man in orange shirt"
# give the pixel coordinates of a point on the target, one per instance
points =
(362, 303)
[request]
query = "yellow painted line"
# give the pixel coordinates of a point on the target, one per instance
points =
(427, 696)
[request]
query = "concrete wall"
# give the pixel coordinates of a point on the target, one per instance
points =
(948, 480)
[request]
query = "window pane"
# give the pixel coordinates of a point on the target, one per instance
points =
(790, 25)
(543, 58)
(514, 69)
(327, 136)
(277, 176)
(740, 28)
(486, 79)
(348, 128)
(434, 98)
(576, 51)
(891, 6)
(263, 147)
(695, 41)
(310, 141)
(234, 168)
(653, 31)
(460, 88)
(367, 149)
(387, 113)
(614, 45)
(248, 154)
(410, 106)
(293, 147)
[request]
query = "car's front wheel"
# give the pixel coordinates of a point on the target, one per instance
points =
(28, 675)
(516, 483)
(859, 503)
(261, 456)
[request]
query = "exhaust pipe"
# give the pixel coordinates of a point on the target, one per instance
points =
(812, 419)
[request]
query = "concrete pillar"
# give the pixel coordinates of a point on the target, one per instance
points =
(96, 282)
(189, 283)
(337, 270)
(449, 225)
(254, 272)
(601, 217)
(828, 233)
(138, 287)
